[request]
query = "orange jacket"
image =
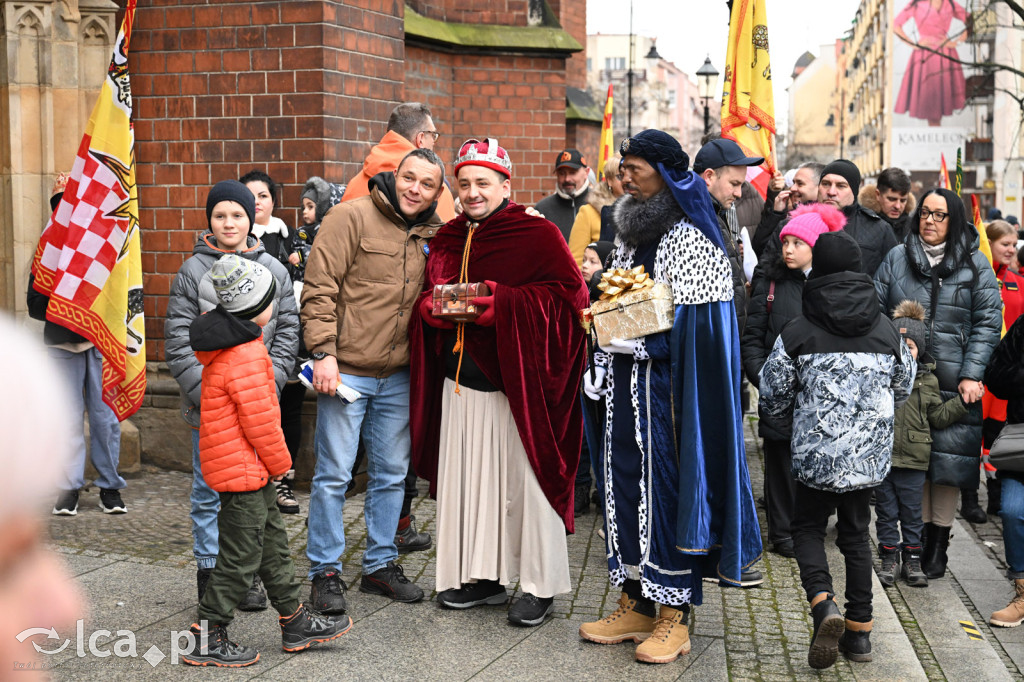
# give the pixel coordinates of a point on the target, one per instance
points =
(241, 445)
(385, 156)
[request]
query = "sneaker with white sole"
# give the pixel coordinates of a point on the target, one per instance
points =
(286, 502)
(480, 593)
(111, 502)
(530, 610)
(67, 503)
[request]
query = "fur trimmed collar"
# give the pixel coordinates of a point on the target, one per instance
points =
(642, 222)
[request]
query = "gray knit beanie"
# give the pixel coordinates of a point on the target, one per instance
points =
(245, 288)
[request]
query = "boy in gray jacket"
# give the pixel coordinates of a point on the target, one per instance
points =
(230, 211)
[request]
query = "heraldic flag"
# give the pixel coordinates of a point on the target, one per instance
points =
(607, 142)
(748, 111)
(89, 258)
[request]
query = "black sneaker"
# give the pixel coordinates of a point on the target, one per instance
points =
(530, 611)
(111, 502)
(890, 567)
(828, 628)
(390, 581)
(409, 540)
(67, 503)
(327, 595)
(489, 592)
(286, 502)
(202, 580)
(256, 598)
(749, 577)
(218, 651)
(856, 645)
(581, 500)
(304, 628)
(784, 547)
(912, 572)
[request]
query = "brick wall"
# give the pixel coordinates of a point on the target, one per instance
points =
(298, 88)
(574, 20)
(586, 137)
(519, 100)
(503, 12)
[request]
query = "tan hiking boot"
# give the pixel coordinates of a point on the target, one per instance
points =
(670, 638)
(1013, 614)
(621, 624)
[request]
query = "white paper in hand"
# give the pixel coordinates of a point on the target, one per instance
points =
(345, 394)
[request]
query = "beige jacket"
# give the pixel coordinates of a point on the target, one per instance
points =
(364, 274)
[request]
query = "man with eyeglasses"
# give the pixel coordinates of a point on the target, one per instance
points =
(838, 187)
(410, 126)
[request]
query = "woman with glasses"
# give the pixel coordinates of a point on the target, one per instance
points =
(940, 267)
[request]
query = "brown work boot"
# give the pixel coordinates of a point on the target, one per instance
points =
(670, 638)
(1013, 614)
(621, 624)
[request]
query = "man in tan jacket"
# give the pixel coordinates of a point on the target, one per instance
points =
(364, 274)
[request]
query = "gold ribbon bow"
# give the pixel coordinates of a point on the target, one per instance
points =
(618, 281)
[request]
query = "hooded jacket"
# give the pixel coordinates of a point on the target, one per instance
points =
(963, 328)
(868, 198)
(241, 445)
(362, 280)
(838, 372)
(385, 157)
(192, 294)
(916, 418)
(763, 327)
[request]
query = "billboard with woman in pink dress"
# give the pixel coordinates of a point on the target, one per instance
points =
(929, 85)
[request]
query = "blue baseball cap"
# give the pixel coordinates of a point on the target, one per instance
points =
(723, 152)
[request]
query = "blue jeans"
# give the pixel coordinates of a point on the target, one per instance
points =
(1012, 512)
(84, 374)
(205, 507)
(898, 500)
(382, 414)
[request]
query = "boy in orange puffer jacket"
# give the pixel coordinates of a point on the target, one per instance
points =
(242, 451)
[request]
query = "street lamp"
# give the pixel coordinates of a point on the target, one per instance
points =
(707, 83)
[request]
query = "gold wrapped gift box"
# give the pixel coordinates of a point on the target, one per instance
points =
(634, 313)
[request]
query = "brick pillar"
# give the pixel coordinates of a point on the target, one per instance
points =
(295, 87)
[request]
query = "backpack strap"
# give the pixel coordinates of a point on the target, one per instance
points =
(771, 296)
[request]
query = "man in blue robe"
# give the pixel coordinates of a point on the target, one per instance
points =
(677, 493)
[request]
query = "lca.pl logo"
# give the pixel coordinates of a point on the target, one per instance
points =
(124, 646)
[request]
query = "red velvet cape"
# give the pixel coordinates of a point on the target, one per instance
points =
(534, 353)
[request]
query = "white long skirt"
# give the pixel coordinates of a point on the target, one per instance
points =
(493, 520)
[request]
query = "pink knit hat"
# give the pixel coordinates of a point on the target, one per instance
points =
(808, 222)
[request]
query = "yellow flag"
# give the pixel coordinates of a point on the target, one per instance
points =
(748, 110)
(607, 142)
(89, 259)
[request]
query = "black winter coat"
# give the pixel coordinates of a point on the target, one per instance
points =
(763, 327)
(739, 280)
(961, 335)
(1004, 376)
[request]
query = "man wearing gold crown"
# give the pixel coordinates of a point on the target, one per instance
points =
(496, 421)
(677, 491)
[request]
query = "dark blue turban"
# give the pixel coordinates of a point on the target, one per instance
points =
(664, 153)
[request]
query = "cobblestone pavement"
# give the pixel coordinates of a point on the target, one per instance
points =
(756, 634)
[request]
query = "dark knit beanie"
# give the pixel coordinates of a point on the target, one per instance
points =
(232, 190)
(909, 318)
(602, 249)
(834, 252)
(847, 170)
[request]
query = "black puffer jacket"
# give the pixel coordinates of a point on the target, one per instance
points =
(763, 327)
(965, 320)
(1004, 376)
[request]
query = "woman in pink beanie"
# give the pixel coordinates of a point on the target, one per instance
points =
(776, 298)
